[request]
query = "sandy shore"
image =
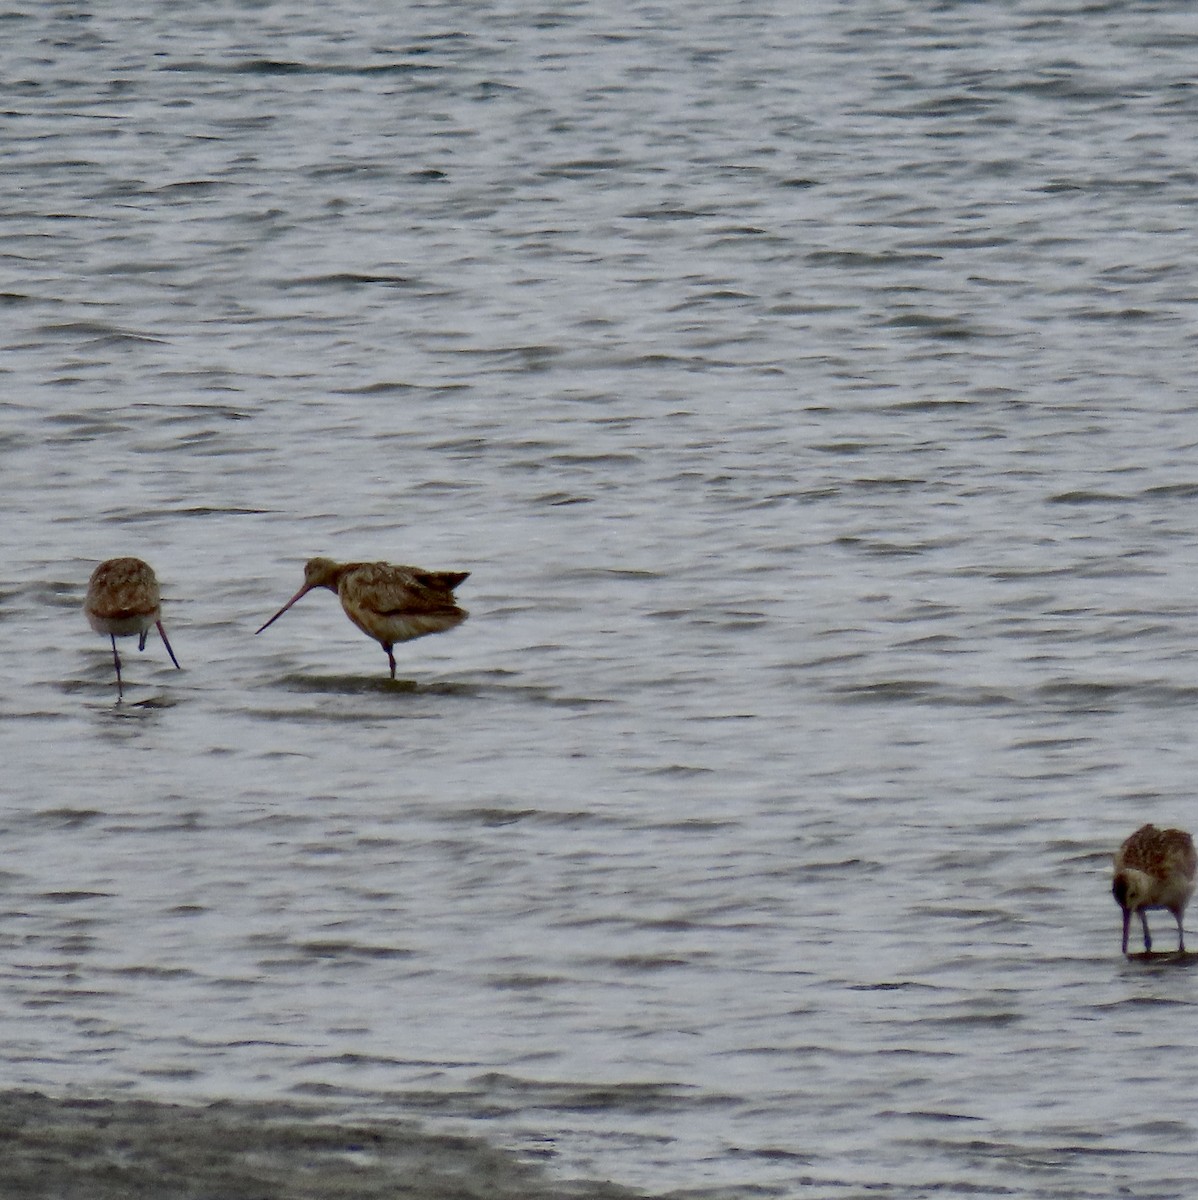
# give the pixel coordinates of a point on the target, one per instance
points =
(126, 1149)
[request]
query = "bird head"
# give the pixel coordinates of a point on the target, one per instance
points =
(320, 572)
(1130, 889)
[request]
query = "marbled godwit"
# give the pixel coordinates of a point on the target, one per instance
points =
(1155, 868)
(123, 600)
(386, 602)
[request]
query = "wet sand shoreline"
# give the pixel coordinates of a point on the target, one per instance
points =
(105, 1149)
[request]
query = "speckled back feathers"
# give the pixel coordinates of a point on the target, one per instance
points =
(120, 589)
(1160, 853)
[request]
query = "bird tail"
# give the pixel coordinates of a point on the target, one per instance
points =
(443, 580)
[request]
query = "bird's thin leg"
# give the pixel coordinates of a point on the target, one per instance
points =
(1126, 924)
(116, 662)
(1181, 934)
(390, 657)
(162, 634)
(141, 641)
(1147, 935)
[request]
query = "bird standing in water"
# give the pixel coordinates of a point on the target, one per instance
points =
(123, 600)
(387, 602)
(1155, 868)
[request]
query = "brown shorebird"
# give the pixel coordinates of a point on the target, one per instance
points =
(386, 602)
(1155, 868)
(123, 600)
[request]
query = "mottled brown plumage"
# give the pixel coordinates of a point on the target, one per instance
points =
(387, 602)
(1154, 868)
(123, 600)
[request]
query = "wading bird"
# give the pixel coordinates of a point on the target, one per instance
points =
(123, 600)
(386, 602)
(1155, 868)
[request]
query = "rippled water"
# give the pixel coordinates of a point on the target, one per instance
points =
(809, 390)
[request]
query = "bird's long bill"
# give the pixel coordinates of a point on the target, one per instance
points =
(298, 595)
(1126, 926)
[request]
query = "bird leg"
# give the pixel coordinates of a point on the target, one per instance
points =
(116, 662)
(1147, 935)
(390, 657)
(1181, 934)
(162, 634)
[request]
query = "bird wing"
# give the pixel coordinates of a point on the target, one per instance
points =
(1182, 856)
(388, 589)
(1159, 852)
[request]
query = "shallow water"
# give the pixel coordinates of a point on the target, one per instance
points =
(809, 397)
(95, 1149)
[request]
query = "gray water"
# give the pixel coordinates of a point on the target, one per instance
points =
(808, 390)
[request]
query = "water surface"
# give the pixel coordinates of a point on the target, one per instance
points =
(810, 397)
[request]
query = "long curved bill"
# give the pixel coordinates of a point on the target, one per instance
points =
(298, 596)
